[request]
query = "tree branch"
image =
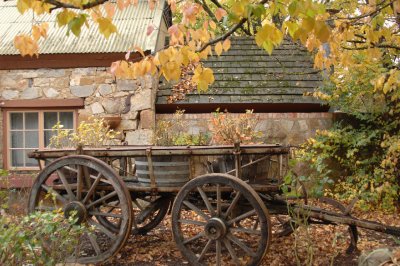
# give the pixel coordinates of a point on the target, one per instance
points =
(215, 2)
(228, 33)
(223, 37)
(208, 10)
(369, 14)
(58, 4)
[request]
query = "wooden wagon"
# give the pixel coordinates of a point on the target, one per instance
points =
(222, 198)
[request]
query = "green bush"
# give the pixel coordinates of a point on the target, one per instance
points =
(362, 155)
(42, 238)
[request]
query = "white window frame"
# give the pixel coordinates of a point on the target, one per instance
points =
(7, 150)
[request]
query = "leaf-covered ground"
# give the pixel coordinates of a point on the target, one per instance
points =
(326, 244)
(323, 244)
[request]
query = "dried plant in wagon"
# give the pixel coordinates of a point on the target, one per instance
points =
(173, 132)
(95, 132)
(228, 129)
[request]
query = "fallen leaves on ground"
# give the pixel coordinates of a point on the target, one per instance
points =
(326, 244)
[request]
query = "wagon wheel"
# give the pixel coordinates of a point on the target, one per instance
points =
(85, 187)
(219, 219)
(149, 212)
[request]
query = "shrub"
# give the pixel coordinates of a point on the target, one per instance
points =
(42, 238)
(94, 132)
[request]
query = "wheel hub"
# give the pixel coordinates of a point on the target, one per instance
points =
(76, 210)
(215, 228)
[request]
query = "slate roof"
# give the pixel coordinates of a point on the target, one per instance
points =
(247, 74)
(131, 23)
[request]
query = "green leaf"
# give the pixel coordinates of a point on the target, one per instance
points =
(75, 25)
(64, 17)
(292, 8)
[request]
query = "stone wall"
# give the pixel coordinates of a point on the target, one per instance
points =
(132, 100)
(284, 128)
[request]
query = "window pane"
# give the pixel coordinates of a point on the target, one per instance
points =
(16, 120)
(17, 158)
(31, 120)
(47, 135)
(31, 139)
(50, 119)
(17, 140)
(30, 161)
(67, 119)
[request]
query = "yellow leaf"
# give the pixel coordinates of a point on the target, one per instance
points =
(238, 8)
(40, 7)
(26, 45)
(269, 37)
(23, 5)
(218, 48)
(64, 17)
(322, 31)
(308, 24)
(226, 45)
(36, 32)
(203, 77)
(171, 71)
(106, 27)
(204, 54)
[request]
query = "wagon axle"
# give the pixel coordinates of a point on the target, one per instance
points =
(215, 228)
(75, 210)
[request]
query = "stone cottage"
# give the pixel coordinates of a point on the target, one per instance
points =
(71, 80)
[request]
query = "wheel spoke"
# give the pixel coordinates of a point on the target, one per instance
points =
(245, 230)
(196, 210)
(102, 229)
(79, 183)
(86, 176)
(231, 251)
(138, 205)
(206, 201)
(218, 252)
(66, 185)
(219, 202)
(205, 249)
(241, 217)
(199, 235)
(233, 204)
(55, 193)
(115, 215)
(255, 225)
(92, 188)
(184, 221)
(237, 241)
(102, 199)
(95, 245)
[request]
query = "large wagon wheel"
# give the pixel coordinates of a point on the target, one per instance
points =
(85, 187)
(219, 219)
